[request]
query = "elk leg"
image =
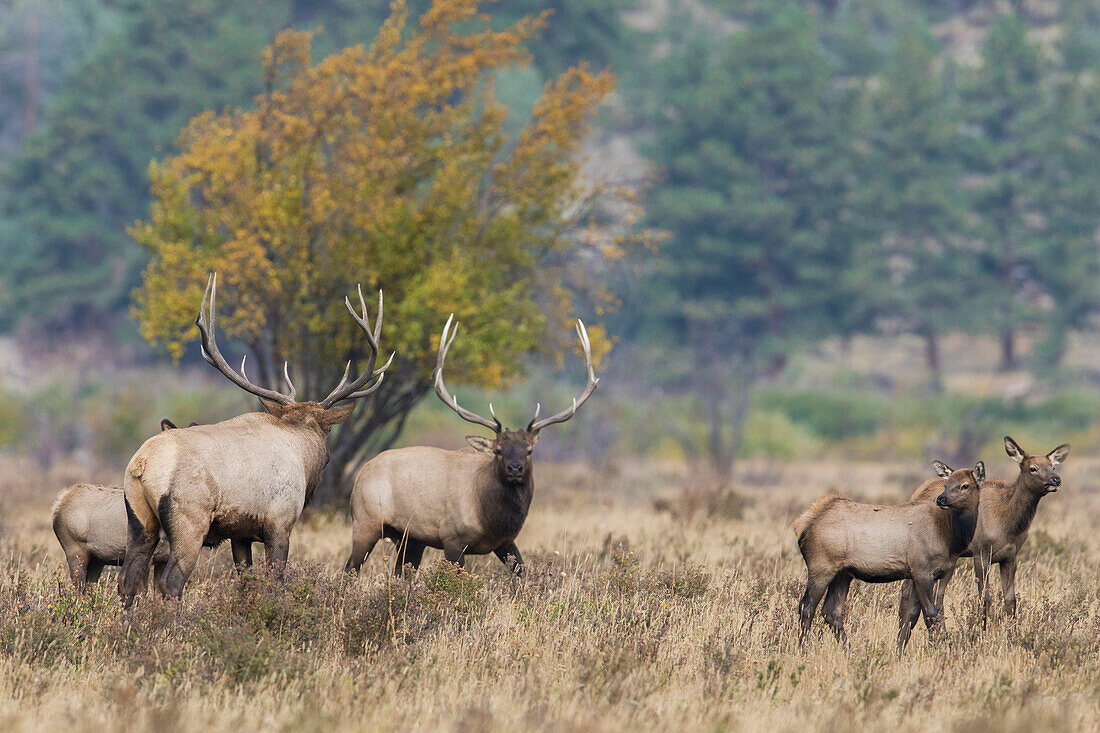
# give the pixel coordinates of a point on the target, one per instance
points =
(276, 550)
(981, 575)
(1008, 585)
(409, 552)
(144, 533)
(158, 576)
(185, 535)
(511, 551)
(833, 607)
(78, 570)
(94, 570)
(909, 611)
(815, 589)
(454, 554)
(242, 553)
(363, 541)
(941, 589)
(927, 599)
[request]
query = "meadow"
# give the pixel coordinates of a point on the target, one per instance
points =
(647, 606)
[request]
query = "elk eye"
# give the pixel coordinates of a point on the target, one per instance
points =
(964, 487)
(1033, 469)
(497, 451)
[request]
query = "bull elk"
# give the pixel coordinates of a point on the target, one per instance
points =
(841, 539)
(1004, 521)
(243, 478)
(465, 502)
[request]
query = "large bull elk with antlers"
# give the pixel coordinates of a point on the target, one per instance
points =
(247, 477)
(465, 502)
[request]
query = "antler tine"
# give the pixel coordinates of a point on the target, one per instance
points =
(206, 322)
(536, 425)
(355, 390)
(441, 388)
(286, 376)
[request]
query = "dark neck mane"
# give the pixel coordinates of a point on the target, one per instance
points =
(504, 505)
(961, 526)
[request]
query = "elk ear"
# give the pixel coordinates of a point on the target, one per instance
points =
(481, 444)
(166, 424)
(979, 473)
(1059, 454)
(273, 407)
(942, 469)
(1014, 451)
(336, 415)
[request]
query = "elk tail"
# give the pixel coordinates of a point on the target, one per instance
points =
(808, 517)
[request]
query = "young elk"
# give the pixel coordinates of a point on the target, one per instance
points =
(246, 477)
(841, 540)
(464, 502)
(1003, 523)
(89, 521)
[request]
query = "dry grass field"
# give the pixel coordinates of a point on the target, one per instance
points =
(645, 608)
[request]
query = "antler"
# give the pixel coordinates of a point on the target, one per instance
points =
(441, 388)
(214, 358)
(355, 390)
(536, 425)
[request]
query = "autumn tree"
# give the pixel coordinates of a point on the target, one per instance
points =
(387, 166)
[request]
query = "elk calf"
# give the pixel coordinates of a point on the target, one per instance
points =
(1004, 521)
(841, 539)
(89, 521)
(464, 502)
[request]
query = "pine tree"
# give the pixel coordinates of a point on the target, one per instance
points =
(909, 197)
(752, 141)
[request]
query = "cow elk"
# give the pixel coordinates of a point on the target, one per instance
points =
(842, 540)
(1004, 520)
(243, 478)
(89, 521)
(465, 502)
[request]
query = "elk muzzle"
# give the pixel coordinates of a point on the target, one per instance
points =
(1054, 482)
(941, 501)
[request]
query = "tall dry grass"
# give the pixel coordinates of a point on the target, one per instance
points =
(630, 618)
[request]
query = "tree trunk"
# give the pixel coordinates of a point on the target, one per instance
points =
(30, 76)
(932, 356)
(1009, 358)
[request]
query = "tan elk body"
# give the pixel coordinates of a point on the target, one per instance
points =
(243, 478)
(89, 521)
(465, 502)
(1004, 521)
(842, 540)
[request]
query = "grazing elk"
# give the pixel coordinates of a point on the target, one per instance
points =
(465, 502)
(1003, 523)
(89, 521)
(841, 539)
(243, 478)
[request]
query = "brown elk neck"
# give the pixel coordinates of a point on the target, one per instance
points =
(504, 505)
(1021, 507)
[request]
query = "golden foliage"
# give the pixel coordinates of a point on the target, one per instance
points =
(386, 166)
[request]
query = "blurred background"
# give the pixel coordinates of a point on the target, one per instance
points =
(841, 230)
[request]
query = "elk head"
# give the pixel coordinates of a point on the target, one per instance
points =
(1038, 474)
(960, 488)
(319, 416)
(511, 448)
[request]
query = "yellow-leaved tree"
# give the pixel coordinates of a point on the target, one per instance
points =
(387, 166)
